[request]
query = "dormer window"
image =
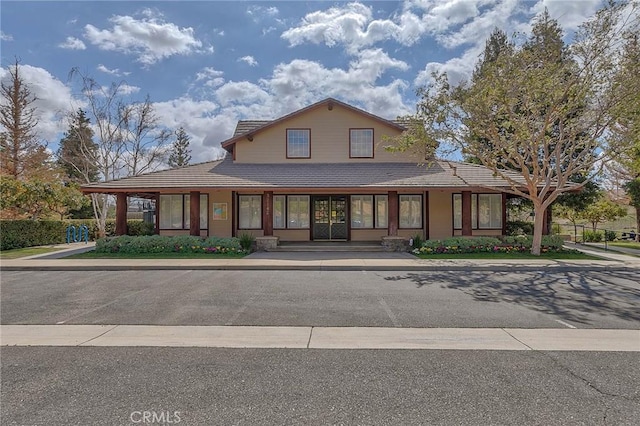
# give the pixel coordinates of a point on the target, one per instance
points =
(361, 143)
(298, 143)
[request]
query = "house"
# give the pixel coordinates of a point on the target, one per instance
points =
(319, 173)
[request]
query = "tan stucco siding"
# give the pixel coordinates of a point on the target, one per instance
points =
(368, 234)
(220, 228)
(440, 215)
(329, 139)
(292, 234)
(480, 232)
(178, 232)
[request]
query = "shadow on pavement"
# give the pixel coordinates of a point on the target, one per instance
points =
(573, 296)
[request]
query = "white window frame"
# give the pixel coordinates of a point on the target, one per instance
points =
(255, 207)
(361, 143)
(413, 212)
(298, 143)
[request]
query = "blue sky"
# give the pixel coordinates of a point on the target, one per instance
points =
(207, 64)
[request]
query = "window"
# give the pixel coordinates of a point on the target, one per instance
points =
(361, 143)
(174, 211)
(204, 211)
(410, 211)
(362, 211)
(298, 211)
(486, 211)
(250, 212)
(382, 211)
(298, 143)
(279, 215)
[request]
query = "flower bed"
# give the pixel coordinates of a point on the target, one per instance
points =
(162, 244)
(461, 245)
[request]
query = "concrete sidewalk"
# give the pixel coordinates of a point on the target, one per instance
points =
(338, 261)
(504, 339)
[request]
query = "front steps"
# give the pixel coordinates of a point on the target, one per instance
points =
(329, 246)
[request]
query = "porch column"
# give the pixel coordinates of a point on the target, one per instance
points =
(426, 215)
(121, 213)
(267, 213)
(504, 213)
(466, 213)
(392, 196)
(194, 213)
(546, 221)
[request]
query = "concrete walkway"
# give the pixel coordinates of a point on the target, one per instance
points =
(339, 261)
(504, 339)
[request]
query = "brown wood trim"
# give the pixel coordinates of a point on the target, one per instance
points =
(466, 214)
(372, 141)
(267, 213)
(234, 200)
(426, 215)
(394, 207)
(121, 213)
(260, 227)
(194, 213)
(347, 214)
(287, 141)
(504, 213)
(157, 214)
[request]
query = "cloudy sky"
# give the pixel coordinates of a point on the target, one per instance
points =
(207, 64)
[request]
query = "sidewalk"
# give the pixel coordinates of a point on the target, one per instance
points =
(503, 339)
(338, 261)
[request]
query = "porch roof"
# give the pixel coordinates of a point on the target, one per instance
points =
(225, 174)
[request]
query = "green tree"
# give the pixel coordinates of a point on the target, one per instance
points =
(603, 210)
(543, 108)
(77, 155)
(180, 154)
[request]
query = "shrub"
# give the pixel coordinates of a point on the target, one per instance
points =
(592, 236)
(246, 241)
(459, 245)
(15, 234)
(417, 241)
(610, 235)
(163, 244)
(519, 227)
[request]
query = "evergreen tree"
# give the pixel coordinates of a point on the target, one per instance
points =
(77, 152)
(181, 154)
(22, 156)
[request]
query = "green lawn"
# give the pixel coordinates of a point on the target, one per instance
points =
(499, 256)
(625, 244)
(93, 255)
(23, 252)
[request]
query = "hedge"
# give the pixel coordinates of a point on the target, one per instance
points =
(15, 234)
(459, 245)
(165, 244)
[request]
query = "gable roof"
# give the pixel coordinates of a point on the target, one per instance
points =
(251, 127)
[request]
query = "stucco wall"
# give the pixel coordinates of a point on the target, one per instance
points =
(368, 234)
(292, 234)
(220, 228)
(329, 139)
(440, 215)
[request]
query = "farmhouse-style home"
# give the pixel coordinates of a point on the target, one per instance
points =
(319, 173)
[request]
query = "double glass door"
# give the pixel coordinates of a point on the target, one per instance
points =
(330, 217)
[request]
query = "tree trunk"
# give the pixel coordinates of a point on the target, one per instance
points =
(538, 224)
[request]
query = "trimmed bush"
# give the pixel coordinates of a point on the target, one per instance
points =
(162, 244)
(592, 236)
(519, 227)
(15, 234)
(460, 245)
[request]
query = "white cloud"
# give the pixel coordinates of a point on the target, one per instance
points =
(569, 14)
(126, 89)
(150, 38)
(250, 60)
(116, 71)
(210, 77)
(5, 37)
(258, 12)
(73, 44)
(53, 99)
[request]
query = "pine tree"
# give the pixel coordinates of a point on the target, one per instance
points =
(22, 156)
(181, 154)
(77, 152)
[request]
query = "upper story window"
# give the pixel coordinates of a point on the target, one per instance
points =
(361, 143)
(298, 143)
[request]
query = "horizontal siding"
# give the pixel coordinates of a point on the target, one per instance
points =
(329, 139)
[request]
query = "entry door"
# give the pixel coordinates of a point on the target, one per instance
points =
(330, 217)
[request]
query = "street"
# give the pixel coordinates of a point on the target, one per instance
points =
(120, 385)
